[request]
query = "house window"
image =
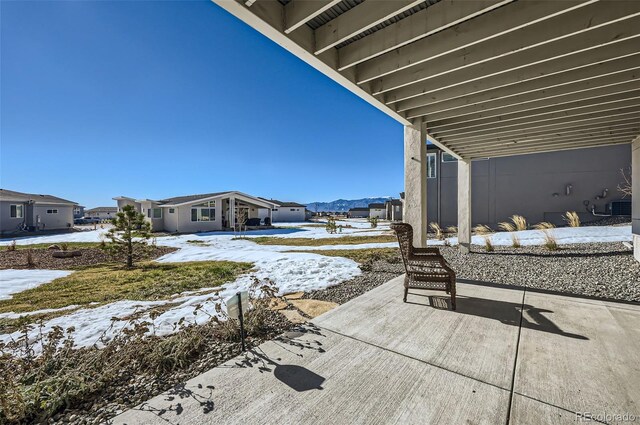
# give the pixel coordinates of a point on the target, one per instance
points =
(172, 210)
(431, 165)
(54, 211)
(17, 211)
(447, 157)
(274, 209)
(203, 214)
(293, 209)
(157, 213)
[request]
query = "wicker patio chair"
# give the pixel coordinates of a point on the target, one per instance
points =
(425, 268)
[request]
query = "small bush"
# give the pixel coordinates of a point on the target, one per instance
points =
(452, 229)
(64, 246)
(550, 241)
(515, 241)
(572, 219)
(331, 226)
(11, 246)
(437, 230)
(519, 221)
(374, 222)
(482, 229)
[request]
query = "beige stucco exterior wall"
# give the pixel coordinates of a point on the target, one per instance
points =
(285, 215)
(380, 213)
(62, 220)
(8, 224)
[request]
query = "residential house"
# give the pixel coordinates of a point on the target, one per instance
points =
(199, 213)
(32, 212)
(78, 211)
(378, 211)
(103, 213)
(393, 209)
(358, 212)
(286, 212)
(540, 187)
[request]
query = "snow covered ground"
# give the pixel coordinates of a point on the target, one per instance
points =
(14, 281)
(290, 271)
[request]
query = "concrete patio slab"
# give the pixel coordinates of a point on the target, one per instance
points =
(580, 355)
(478, 340)
(507, 356)
(320, 377)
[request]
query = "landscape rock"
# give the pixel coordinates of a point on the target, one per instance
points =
(276, 304)
(293, 316)
(294, 296)
(313, 308)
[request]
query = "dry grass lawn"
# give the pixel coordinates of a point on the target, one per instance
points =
(343, 240)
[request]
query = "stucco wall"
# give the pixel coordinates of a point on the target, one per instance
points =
(185, 225)
(380, 213)
(8, 224)
(532, 185)
(285, 215)
(62, 220)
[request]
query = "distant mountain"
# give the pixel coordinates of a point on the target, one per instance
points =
(344, 204)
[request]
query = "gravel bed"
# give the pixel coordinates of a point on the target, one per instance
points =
(43, 258)
(618, 220)
(605, 270)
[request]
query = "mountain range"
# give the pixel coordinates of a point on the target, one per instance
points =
(344, 204)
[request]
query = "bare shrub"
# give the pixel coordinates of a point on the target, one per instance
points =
(625, 187)
(30, 263)
(437, 230)
(373, 221)
(64, 246)
(12, 246)
(550, 241)
(572, 219)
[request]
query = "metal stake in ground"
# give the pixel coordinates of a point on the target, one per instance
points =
(241, 320)
(236, 306)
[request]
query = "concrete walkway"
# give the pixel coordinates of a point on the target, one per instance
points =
(506, 356)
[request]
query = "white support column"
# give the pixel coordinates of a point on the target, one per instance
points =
(415, 181)
(635, 199)
(232, 212)
(464, 206)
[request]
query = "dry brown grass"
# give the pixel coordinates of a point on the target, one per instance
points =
(482, 229)
(452, 229)
(572, 219)
(344, 240)
(519, 222)
(506, 226)
(488, 245)
(544, 225)
(550, 241)
(360, 256)
(437, 230)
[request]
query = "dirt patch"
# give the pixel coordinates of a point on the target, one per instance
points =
(44, 259)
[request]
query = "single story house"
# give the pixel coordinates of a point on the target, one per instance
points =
(199, 213)
(540, 187)
(359, 212)
(378, 211)
(286, 212)
(393, 209)
(32, 212)
(102, 212)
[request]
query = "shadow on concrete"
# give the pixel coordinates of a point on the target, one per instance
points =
(514, 314)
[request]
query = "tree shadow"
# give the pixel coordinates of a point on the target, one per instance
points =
(509, 313)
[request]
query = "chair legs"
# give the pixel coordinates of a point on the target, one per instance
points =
(453, 295)
(406, 292)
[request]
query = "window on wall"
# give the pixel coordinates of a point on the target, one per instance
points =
(53, 211)
(447, 157)
(207, 204)
(157, 213)
(17, 211)
(203, 214)
(172, 210)
(431, 165)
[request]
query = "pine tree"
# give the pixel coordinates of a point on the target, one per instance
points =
(130, 232)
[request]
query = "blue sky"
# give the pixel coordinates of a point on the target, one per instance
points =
(157, 99)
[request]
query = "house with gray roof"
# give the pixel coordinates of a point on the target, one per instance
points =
(287, 212)
(358, 212)
(202, 212)
(378, 210)
(21, 212)
(103, 213)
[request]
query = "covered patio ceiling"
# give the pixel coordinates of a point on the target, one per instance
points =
(488, 78)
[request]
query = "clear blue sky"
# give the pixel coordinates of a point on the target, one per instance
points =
(157, 99)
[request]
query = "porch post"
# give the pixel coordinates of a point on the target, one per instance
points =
(464, 206)
(415, 181)
(232, 212)
(635, 199)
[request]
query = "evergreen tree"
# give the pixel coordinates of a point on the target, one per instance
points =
(130, 232)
